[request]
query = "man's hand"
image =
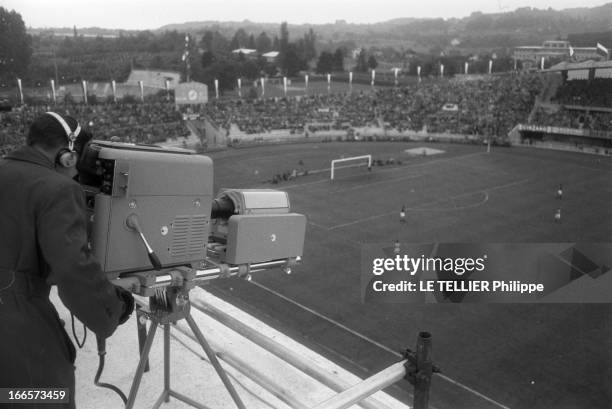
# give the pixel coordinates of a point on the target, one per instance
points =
(128, 304)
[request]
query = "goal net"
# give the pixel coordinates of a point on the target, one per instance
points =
(351, 162)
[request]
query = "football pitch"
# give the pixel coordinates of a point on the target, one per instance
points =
(491, 355)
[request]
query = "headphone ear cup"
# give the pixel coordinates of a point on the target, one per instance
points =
(67, 158)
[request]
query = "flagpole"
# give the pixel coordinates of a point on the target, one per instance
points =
(20, 91)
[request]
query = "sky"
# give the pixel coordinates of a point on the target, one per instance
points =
(152, 14)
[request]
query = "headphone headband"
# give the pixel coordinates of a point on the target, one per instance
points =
(71, 135)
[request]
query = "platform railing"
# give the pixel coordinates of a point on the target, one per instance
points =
(416, 367)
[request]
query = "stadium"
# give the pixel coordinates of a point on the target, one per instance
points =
(469, 159)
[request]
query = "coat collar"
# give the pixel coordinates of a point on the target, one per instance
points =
(32, 155)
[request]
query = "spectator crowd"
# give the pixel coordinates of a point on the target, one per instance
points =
(480, 105)
(493, 104)
(133, 122)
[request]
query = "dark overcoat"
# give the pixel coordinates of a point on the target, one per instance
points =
(43, 242)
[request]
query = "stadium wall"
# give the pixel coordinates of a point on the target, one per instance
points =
(558, 138)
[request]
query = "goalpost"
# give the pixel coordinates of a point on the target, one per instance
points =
(358, 159)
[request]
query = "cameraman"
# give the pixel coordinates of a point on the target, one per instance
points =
(43, 243)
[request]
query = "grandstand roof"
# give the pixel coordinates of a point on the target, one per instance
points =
(570, 66)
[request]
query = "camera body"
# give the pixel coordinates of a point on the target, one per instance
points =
(169, 192)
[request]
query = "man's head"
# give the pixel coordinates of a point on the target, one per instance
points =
(51, 131)
(60, 138)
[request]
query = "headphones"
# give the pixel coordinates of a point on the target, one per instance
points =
(67, 157)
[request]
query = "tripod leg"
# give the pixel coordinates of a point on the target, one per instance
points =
(141, 327)
(214, 361)
(167, 362)
(144, 357)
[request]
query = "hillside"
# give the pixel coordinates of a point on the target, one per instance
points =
(508, 29)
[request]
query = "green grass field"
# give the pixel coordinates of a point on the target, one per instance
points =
(494, 355)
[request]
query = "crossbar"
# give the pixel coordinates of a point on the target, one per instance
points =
(352, 158)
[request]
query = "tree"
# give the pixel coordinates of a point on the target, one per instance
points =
(310, 51)
(15, 45)
(284, 37)
(283, 43)
(338, 60)
(240, 39)
(325, 63)
(215, 42)
(208, 57)
(372, 63)
(362, 64)
(292, 62)
(263, 44)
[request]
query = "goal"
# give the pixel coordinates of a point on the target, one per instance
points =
(353, 161)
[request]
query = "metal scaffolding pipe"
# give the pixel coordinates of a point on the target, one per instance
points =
(326, 377)
(365, 388)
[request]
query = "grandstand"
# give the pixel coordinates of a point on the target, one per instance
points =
(575, 112)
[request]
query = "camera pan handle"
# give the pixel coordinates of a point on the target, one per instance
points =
(132, 222)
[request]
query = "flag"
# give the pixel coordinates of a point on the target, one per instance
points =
(141, 86)
(20, 90)
(601, 50)
(373, 76)
(114, 87)
(263, 87)
(240, 87)
(84, 83)
(53, 90)
(285, 85)
(490, 66)
(466, 66)
(216, 88)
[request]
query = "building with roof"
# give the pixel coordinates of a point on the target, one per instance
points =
(245, 51)
(271, 56)
(554, 50)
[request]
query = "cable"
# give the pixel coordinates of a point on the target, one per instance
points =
(79, 344)
(101, 353)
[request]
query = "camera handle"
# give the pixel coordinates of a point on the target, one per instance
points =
(132, 223)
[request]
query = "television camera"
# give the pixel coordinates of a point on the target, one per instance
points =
(152, 210)
(157, 230)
